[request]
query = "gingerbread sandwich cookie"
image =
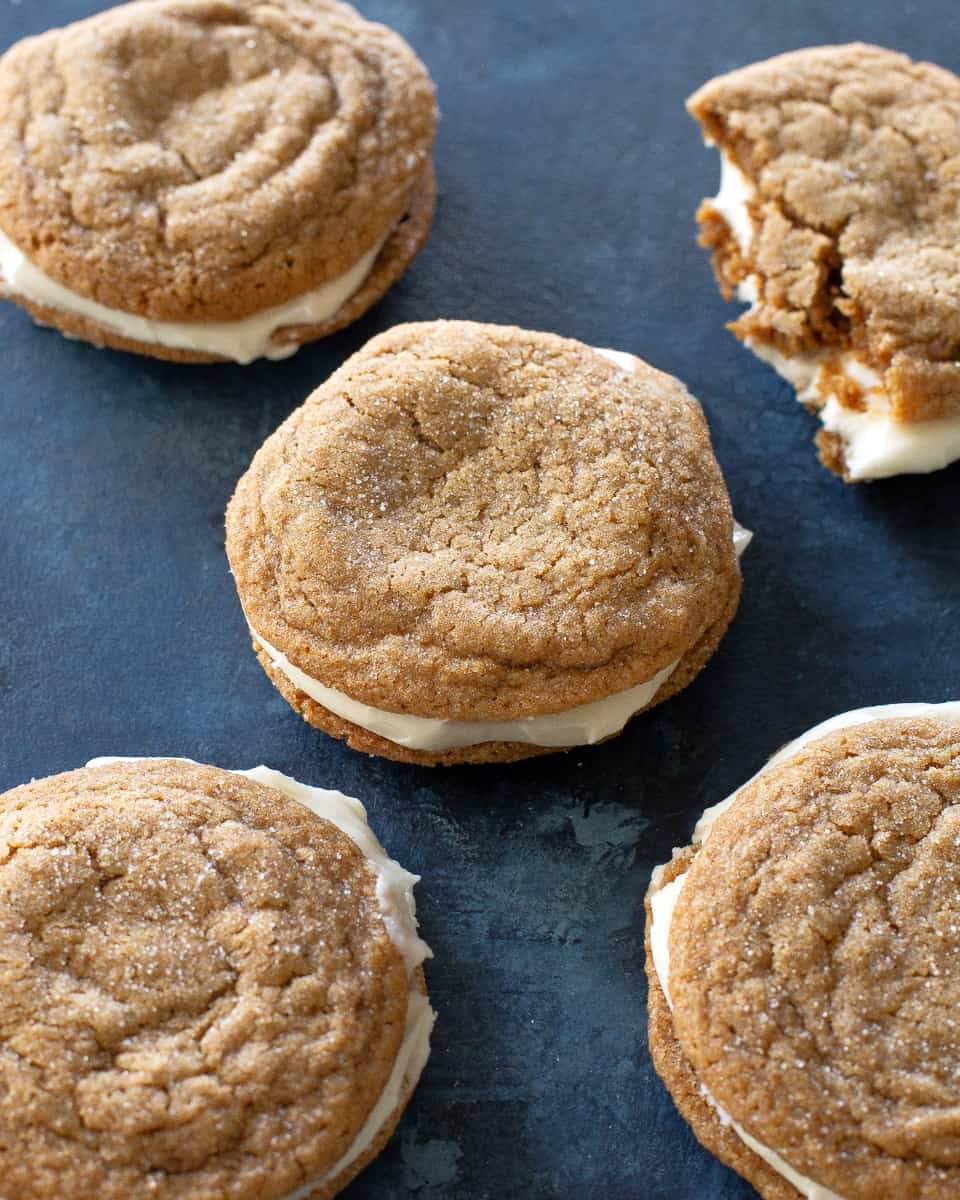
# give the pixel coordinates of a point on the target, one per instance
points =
(803, 959)
(203, 181)
(838, 220)
(477, 543)
(210, 985)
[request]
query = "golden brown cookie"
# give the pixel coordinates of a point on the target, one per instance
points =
(802, 960)
(470, 533)
(838, 219)
(202, 991)
(202, 180)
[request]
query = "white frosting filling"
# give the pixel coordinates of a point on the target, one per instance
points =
(397, 906)
(580, 726)
(407, 1068)
(241, 341)
(875, 445)
(583, 725)
(731, 201)
(664, 898)
(620, 358)
(800, 370)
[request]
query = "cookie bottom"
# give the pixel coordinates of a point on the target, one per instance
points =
(331, 1187)
(364, 740)
(399, 250)
(831, 452)
(684, 1086)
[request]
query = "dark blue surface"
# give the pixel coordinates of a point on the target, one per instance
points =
(569, 173)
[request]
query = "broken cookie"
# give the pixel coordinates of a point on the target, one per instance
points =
(838, 220)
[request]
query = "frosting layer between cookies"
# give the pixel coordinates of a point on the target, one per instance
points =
(240, 341)
(663, 900)
(395, 896)
(732, 199)
(581, 726)
(875, 445)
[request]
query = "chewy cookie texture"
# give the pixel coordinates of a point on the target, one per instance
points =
(802, 963)
(206, 988)
(203, 180)
(838, 219)
(478, 543)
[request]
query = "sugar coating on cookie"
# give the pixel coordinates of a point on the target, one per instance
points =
(206, 988)
(802, 963)
(838, 220)
(485, 526)
(203, 181)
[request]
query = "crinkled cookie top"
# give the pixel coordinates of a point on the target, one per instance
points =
(815, 960)
(205, 159)
(198, 995)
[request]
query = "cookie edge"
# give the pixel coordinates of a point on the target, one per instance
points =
(331, 1188)
(680, 1079)
(365, 741)
(402, 246)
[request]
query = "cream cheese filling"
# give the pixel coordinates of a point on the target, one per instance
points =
(583, 725)
(875, 444)
(240, 341)
(395, 896)
(407, 1068)
(731, 201)
(663, 900)
(580, 726)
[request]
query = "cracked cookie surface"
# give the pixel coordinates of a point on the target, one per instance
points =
(479, 522)
(813, 954)
(198, 995)
(203, 160)
(853, 153)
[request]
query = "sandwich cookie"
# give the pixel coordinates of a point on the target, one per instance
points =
(205, 181)
(803, 959)
(838, 220)
(476, 543)
(211, 984)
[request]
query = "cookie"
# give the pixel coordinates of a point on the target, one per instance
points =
(838, 220)
(476, 543)
(802, 959)
(203, 180)
(206, 988)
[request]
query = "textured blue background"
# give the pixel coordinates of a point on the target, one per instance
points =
(569, 173)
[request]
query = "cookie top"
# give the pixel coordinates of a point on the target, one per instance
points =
(813, 959)
(203, 160)
(198, 994)
(853, 153)
(476, 521)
